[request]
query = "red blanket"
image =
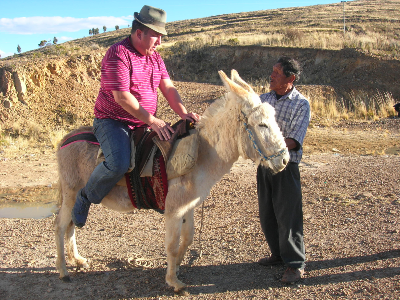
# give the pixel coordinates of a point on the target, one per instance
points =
(155, 188)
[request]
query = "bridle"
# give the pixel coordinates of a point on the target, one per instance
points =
(255, 146)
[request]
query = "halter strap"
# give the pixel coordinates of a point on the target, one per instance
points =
(255, 146)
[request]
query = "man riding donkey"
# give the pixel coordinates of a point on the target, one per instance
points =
(131, 72)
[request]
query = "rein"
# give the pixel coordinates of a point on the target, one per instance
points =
(255, 146)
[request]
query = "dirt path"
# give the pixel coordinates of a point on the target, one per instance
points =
(351, 209)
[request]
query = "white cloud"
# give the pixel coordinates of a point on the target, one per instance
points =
(35, 25)
(5, 54)
(65, 38)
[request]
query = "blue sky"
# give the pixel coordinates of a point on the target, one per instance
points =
(27, 22)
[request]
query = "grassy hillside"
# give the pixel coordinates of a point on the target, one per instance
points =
(47, 91)
(345, 76)
(372, 26)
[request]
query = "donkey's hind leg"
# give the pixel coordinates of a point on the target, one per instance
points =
(62, 222)
(64, 228)
(187, 234)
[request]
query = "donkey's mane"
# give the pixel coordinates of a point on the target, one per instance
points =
(216, 107)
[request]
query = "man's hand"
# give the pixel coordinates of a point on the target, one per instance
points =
(163, 129)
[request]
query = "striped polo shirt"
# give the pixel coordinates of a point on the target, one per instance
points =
(125, 69)
(292, 113)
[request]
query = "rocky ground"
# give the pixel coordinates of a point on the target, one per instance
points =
(350, 177)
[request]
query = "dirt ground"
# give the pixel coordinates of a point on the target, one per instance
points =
(351, 202)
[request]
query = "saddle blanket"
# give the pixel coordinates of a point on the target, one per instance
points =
(154, 162)
(153, 189)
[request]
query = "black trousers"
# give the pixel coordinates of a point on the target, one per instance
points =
(281, 213)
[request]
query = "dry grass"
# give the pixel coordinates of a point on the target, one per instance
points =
(371, 26)
(325, 105)
(56, 136)
(362, 106)
(29, 137)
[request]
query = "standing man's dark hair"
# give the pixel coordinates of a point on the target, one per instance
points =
(279, 195)
(290, 66)
(397, 108)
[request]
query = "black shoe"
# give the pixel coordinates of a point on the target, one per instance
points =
(292, 275)
(271, 260)
(80, 211)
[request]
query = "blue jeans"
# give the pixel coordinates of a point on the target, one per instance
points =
(114, 139)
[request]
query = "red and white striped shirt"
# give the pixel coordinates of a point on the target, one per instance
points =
(125, 69)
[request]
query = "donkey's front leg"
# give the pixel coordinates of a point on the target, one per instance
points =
(186, 235)
(173, 225)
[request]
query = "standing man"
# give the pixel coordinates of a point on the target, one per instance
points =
(397, 108)
(131, 73)
(279, 195)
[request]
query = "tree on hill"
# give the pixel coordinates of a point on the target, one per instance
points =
(116, 27)
(104, 28)
(44, 43)
(94, 31)
(19, 49)
(90, 31)
(55, 40)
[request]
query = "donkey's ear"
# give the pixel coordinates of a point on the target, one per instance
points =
(236, 78)
(232, 86)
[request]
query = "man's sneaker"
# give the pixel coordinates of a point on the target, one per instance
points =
(271, 260)
(80, 211)
(292, 275)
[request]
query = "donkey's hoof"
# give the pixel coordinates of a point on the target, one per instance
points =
(66, 279)
(182, 292)
(83, 265)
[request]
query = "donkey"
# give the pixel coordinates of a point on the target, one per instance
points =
(237, 124)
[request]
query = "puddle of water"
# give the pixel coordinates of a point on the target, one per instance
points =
(28, 211)
(393, 151)
(28, 203)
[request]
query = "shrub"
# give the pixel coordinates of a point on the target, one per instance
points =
(294, 34)
(233, 41)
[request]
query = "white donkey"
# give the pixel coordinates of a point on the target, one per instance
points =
(237, 124)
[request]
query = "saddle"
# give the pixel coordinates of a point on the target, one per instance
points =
(179, 152)
(151, 191)
(153, 162)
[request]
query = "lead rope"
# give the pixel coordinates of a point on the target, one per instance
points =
(201, 230)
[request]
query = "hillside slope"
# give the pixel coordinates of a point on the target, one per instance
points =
(57, 85)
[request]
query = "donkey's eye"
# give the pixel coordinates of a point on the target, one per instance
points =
(263, 125)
